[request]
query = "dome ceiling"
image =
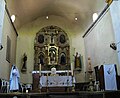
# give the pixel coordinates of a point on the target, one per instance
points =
(29, 10)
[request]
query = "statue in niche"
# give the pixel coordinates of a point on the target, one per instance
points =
(41, 59)
(24, 67)
(63, 59)
(52, 55)
(52, 38)
(62, 39)
(77, 61)
(40, 38)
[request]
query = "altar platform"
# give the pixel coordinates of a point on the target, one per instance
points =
(80, 94)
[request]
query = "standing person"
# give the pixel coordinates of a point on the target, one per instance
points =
(14, 79)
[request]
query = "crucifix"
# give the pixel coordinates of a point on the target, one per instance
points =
(52, 38)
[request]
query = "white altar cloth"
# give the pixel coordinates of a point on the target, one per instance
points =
(56, 81)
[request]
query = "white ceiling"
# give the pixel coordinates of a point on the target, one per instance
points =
(29, 10)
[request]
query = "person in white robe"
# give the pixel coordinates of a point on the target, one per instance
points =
(14, 79)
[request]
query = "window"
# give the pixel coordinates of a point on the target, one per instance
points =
(95, 16)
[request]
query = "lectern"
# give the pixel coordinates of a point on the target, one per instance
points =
(36, 78)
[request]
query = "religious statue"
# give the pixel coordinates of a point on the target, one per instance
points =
(63, 59)
(52, 55)
(91, 88)
(62, 39)
(41, 58)
(77, 61)
(24, 67)
(14, 79)
(89, 64)
(52, 38)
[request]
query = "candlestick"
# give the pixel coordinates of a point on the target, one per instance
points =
(47, 82)
(90, 88)
(73, 89)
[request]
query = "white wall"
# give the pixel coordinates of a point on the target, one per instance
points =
(4, 64)
(115, 14)
(2, 12)
(97, 43)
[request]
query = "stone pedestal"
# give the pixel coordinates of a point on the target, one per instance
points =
(91, 88)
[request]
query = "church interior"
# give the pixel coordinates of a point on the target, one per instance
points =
(59, 48)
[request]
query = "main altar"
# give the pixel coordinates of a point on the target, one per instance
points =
(46, 82)
(52, 50)
(56, 82)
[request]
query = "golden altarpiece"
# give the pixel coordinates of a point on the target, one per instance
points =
(51, 49)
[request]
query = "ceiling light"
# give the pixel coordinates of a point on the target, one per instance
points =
(47, 17)
(13, 18)
(95, 16)
(76, 18)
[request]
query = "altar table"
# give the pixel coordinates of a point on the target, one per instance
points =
(57, 81)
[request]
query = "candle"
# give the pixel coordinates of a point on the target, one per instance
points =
(67, 72)
(40, 69)
(74, 51)
(26, 91)
(72, 69)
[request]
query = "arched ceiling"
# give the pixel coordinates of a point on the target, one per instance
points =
(29, 10)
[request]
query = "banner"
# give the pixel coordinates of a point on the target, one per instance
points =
(110, 77)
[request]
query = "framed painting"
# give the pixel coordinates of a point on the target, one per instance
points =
(8, 49)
